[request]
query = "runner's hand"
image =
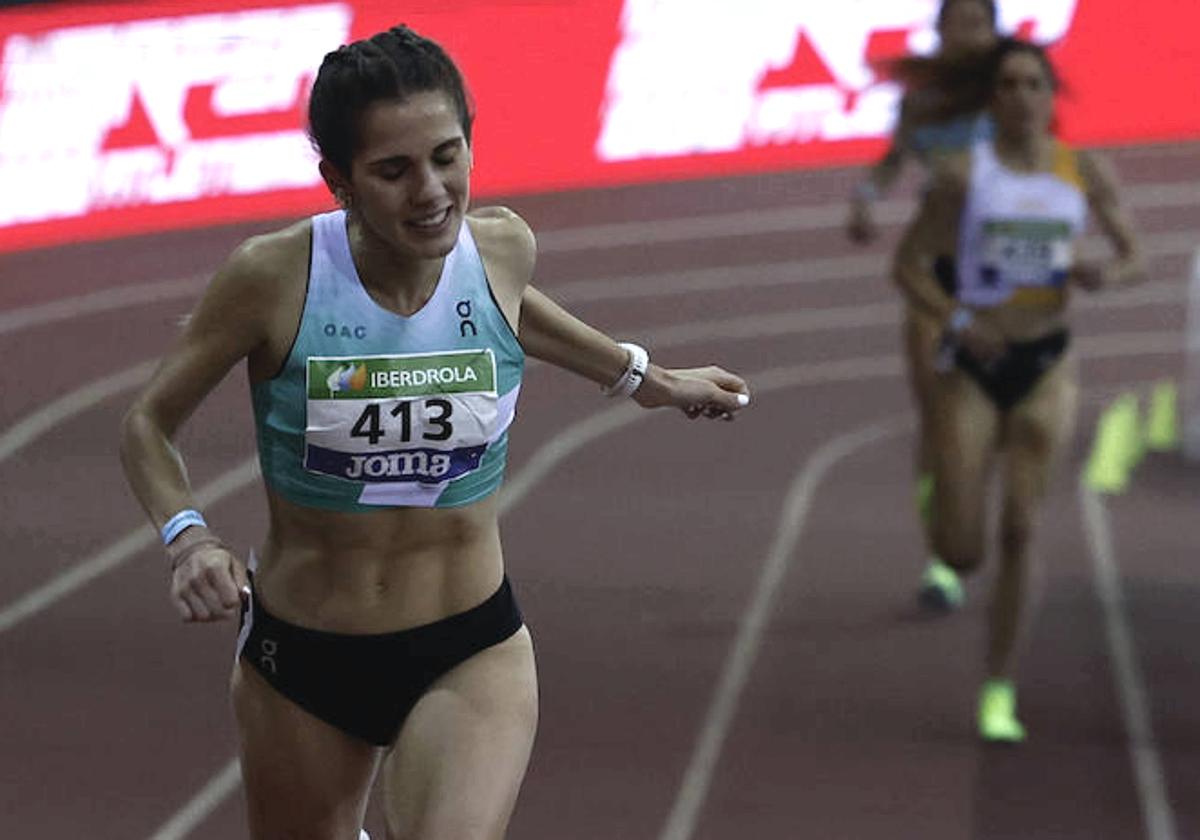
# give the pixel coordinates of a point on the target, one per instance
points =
(1091, 276)
(207, 581)
(698, 392)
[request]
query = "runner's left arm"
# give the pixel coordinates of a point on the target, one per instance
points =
(550, 333)
(1103, 195)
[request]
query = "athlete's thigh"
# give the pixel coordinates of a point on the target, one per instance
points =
(1037, 429)
(966, 428)
(921, 337)
(457, 765)
(304, 779)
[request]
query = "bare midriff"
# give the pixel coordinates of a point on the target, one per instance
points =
(377, 571)
(1019, 323)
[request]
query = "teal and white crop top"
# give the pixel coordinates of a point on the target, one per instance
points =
(374, 409)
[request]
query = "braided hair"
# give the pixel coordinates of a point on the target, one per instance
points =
(390, 65)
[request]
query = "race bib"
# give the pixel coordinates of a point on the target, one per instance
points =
(1028, 258)
(422, 417)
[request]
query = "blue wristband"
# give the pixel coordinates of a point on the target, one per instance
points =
(960, 319)
(177, 523)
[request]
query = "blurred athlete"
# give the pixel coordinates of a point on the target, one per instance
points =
(1009, 212)
(931, 125)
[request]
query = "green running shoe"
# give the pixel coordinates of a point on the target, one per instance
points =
(998, 713)
(941, 590)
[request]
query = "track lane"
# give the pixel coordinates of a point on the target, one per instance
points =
(641, 589)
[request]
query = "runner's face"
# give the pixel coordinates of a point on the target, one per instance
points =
(965, 27)
(410, 177)
(1023, 102)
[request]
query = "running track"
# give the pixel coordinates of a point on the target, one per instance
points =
(727, 639)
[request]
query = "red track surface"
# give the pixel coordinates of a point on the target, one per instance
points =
(639, 556)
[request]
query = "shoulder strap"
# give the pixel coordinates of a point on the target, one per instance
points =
(1066, 165)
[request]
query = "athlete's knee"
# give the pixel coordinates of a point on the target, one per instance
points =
(1016, 531)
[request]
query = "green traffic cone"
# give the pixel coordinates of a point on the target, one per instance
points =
(1116, 449)
(1134, 445)
(1162, 423)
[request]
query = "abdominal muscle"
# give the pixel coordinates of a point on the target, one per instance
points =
(377, 571)
(1019, 323)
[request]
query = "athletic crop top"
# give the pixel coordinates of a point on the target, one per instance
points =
(377, 409)
(1017, 236)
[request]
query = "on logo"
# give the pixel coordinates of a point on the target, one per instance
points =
(269, 648)
(463, 308)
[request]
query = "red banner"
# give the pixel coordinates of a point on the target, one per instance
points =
(118, 118)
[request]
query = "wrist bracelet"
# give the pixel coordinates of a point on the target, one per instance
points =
(634, 373)
(960, 319)
(176, 525)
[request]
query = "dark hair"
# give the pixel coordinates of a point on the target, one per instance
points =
(1011, 46)
(962, 84)
(390, 65)
(944, 9)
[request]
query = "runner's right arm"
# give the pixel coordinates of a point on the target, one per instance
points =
(228, 324)
(935, 231)
(861, 226)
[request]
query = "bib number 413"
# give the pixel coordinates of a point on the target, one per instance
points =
(434, 421)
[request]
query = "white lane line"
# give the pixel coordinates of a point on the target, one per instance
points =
(1157, 817)
(571, 439)
(580, 434)
(541, 464)
(628, 233)
(760, 275)
(575, 438)
(693, 790)
(552, 453)
(697, 779)
(1155, 150)
(790, 322)
(795, 219)
(808, 271)
(34, 425)
(196, 811)
(111, 557)
(810, 320)
(105, 300)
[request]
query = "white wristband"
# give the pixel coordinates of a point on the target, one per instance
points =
(960, 319)
(634, 373)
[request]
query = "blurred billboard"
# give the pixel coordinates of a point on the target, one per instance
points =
(118, 118)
